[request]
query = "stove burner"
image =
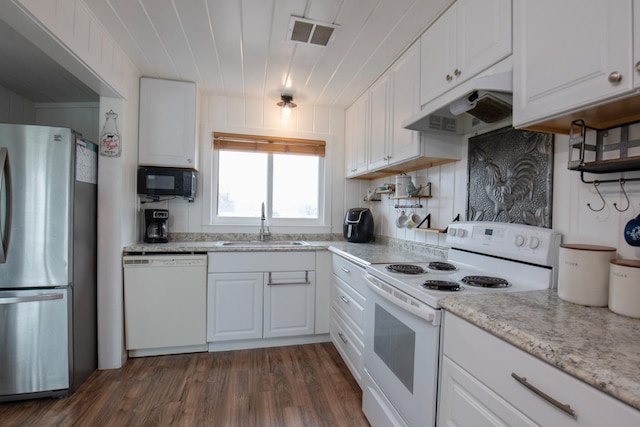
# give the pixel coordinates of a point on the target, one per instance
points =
(442, 285)
(486, 281)
(405, 268)
(442, 266)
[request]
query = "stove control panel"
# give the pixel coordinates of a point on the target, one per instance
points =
(519, 242)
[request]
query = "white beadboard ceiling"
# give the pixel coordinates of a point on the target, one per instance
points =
(235, 48)
(238, 48)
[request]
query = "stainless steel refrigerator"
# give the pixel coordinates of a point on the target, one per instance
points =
(48, 338)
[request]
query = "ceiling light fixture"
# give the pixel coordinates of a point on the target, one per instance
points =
(287, 104)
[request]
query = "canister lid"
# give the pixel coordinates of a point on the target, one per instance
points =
(581, 247)
(626, 262)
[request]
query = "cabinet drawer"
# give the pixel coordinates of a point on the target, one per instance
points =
(348, 303)
(350, 273)
(350, 348)
(240, 262)
(492, 361)
(465, 401)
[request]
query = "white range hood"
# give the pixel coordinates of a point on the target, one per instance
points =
(474, 104)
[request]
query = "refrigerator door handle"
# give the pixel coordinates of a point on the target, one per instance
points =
(5, 216)
(30, 298)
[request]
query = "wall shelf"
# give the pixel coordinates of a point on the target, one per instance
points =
(430, 230)
(578, 144)
(409, 197)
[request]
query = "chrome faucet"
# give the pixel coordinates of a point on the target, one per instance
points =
(264, 230)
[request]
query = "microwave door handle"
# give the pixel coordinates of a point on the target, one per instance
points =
(5, 174)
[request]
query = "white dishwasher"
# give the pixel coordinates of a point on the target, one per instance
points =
(165, 304)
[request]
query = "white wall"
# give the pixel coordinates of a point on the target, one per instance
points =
(81, 117)
(15, 108)
(252, 116)
(570, 216)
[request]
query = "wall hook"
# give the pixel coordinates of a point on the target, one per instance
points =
(622, 181)
(595, 185)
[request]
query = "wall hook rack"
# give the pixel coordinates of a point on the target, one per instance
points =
(615, 205)
(595, 185)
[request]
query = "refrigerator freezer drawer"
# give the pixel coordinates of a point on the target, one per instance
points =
(34, 356)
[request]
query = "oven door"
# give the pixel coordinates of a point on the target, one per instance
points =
(402, 338)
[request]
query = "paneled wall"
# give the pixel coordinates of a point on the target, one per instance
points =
(252, 116)
(15, 108)
(570, 216)
(81, 117)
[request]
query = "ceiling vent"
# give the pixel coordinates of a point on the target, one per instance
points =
(303, 30)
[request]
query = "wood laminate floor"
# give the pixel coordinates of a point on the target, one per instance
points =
(305, 385)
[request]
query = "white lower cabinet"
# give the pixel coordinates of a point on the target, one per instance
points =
(347, 314)
(258, 295)
(234, 302)
(289, 304)
(486, 381)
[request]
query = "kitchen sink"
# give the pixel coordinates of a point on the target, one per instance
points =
(263, 243)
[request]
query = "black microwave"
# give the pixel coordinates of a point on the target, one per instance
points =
(155, 181)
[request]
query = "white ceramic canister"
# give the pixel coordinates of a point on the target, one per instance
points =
(583, 274)
(624, 287)
(402, 181)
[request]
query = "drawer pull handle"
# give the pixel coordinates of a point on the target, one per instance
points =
(345, 299)
(344, 340)
(305, 282)
(346, 270)
(562, 406)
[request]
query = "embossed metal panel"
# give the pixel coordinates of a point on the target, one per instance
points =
(511, 177)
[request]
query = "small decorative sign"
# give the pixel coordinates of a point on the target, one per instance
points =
(110, 145)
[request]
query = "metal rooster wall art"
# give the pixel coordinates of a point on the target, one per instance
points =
(510, 177)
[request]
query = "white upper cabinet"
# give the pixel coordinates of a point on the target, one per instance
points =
(469, 37)
(355, 131)
(379, 123)
(569, 55)
(167, 128)
(393, 98)
(405, 102)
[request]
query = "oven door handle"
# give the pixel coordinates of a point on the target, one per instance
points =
(410, 304)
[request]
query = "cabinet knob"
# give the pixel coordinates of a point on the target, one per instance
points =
(638, 66)
(615, 77)
(449, 77)
(189, 161)
(457, 72)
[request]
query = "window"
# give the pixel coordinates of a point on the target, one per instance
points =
(284, 173)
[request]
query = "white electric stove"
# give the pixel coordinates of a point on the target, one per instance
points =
(484, 257)
(402, 327)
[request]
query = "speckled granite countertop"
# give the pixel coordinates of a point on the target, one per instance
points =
(360, 253)
(593, 344)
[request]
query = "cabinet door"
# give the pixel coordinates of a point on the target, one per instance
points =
(167, 128)
(466, 402)
(636, 42)
(438, 57)
(378, 123)
(234, 306)
(483, 36)
(405, 90)
(562, 62)
(289, 304)
(355, 143)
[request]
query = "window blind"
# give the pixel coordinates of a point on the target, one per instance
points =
(268, 144)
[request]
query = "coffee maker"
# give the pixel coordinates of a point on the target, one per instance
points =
(156, 225)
